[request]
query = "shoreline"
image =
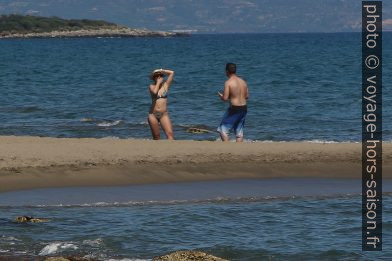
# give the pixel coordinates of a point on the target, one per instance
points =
(91, 33)
(37, 162)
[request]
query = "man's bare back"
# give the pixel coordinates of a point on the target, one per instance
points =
(238, 90)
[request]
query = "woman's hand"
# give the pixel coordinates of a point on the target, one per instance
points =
(159, 80)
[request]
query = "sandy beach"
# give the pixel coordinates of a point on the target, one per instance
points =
(34, 162)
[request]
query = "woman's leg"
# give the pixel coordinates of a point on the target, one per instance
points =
(154, 126)
(167, 126)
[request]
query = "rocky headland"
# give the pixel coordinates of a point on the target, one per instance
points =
(18, 26)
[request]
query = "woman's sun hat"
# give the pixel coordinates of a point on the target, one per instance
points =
(156, 73)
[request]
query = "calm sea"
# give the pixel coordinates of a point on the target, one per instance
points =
(278, 219)
(302, 86)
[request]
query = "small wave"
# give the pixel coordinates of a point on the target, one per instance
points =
(326, 141)
(9, 238)
(109, 124)
(110, 138)
(56, 247)
(20, 252)
(217, 200)
(87, 120)
(93, 242)
(102, 122)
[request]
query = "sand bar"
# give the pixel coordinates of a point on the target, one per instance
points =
(33, 162)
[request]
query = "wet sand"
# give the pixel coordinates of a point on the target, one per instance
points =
(33, 162)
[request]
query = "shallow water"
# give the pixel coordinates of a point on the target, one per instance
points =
(303, 86)
(186, 192)
(277, 219)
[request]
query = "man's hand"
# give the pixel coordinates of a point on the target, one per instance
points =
(220, 95)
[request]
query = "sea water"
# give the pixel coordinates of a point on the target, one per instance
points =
(302, 86)
(278, 219)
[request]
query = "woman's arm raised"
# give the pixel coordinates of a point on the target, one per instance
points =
(170, 76)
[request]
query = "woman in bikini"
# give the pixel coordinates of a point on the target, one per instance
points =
(158, 112)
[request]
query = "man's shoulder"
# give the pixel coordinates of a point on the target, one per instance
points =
(242, 80)
(235, 81)
(228, 81)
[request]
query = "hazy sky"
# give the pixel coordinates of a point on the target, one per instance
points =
(209, 15)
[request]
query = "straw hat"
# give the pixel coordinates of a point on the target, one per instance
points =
(156, 73)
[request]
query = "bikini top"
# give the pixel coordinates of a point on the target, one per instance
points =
(162, 96)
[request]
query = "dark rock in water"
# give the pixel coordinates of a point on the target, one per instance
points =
(197, 130)
(27, 219)
(187, 255)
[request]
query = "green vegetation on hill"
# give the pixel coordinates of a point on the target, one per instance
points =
(20, 24)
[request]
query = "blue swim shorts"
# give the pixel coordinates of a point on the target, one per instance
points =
(234, 118)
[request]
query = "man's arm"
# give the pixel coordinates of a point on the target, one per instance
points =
(226, 93)
(247, 92)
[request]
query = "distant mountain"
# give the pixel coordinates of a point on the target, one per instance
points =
(209, 16)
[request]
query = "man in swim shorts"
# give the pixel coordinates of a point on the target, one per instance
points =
(236, 90)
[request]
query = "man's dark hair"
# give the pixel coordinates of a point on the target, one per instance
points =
(231, 68)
